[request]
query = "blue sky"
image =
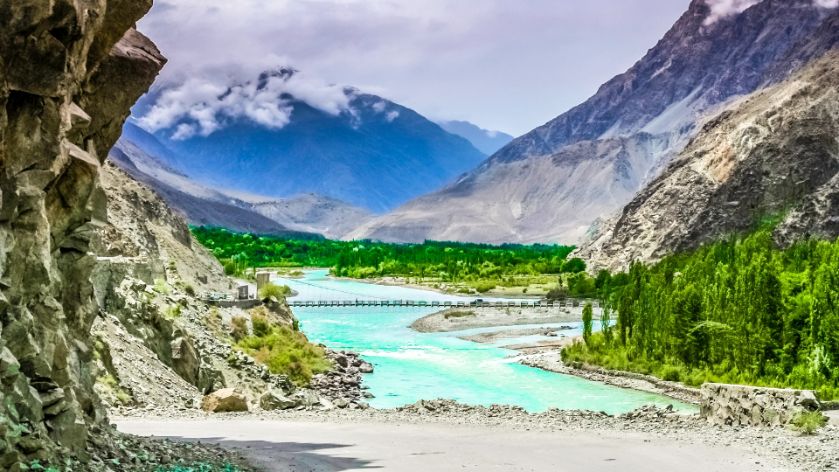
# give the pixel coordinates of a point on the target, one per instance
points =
(509, 65)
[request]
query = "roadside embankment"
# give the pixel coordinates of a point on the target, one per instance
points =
(644, 435)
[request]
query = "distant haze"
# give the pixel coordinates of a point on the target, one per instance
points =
(506, 65)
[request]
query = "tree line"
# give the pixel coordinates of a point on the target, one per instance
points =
(737, 311)
(448, 261)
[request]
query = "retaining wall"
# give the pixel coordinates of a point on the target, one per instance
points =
(754, 406)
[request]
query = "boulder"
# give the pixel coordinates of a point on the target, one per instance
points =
(306, 398)
(225, 400)
(185, 360)
(365, 367)
(275, 400)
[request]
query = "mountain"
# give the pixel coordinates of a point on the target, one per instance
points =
(313, 213)
(775, 152)
(344, 144)
(488, 142)
(143, 157)
(552, 183)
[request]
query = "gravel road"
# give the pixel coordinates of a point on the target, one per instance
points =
(312, 446)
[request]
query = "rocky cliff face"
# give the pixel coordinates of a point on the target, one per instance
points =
(775, 152)
(69, 73)
(538, 188)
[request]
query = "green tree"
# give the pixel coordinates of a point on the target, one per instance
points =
(588, 315)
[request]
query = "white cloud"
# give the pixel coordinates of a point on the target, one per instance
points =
(205, 104)
(506, 64)
(827, 3)
(721, 9)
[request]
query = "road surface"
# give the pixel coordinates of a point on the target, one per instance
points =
(304, 446)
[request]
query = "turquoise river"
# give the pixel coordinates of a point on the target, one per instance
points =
(410, 366)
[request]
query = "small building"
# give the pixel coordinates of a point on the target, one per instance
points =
(242, 292)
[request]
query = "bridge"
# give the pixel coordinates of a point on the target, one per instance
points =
(442, 304)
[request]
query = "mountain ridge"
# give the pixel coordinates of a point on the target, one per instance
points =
(690, 73)
(372, 153)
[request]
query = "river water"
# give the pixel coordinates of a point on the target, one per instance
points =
(410, 366)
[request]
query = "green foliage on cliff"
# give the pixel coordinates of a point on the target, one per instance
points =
(284, 350)
(366, 259)
(739, 311)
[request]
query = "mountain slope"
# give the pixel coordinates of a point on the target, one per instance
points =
(538, 189)
(371, 153)
(143, 157)
(776, 152)
(488, 142)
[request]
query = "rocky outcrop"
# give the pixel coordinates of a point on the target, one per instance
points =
(775, 152)
(69, 73)
(740, 405)
(551, 184)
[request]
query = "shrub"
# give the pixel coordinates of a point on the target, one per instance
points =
(671, 373)
(174, 311)
(484, 287)
(161, 287)
(261, 326)
(238, 328)
(287, 352)
(558, 293)
(189, 290)
(277, 291)
(807, 423)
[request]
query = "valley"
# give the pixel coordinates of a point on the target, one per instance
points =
(237, 261)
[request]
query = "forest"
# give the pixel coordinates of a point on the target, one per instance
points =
(737, 311)
(446, 261)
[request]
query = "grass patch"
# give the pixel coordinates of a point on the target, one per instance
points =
(161, 287)
(110, 384)
(807, 423)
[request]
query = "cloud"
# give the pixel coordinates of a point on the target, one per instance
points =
(827, 3)
(721, 9)
(202, 105)
(506, 64)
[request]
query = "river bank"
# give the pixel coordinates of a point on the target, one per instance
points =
(645, 439)
(544, 350)
(463, 318)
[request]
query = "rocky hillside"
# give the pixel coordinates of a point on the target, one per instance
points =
(69, 73)
(773, 153)
(364, 150)
(143, 157)
(160, 346)
(540, 187)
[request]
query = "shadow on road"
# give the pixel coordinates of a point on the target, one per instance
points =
(284, 456)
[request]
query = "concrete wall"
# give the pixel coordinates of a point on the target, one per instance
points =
(755, 406)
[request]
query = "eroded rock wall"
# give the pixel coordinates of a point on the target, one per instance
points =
(741, 405)
(69, 73)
